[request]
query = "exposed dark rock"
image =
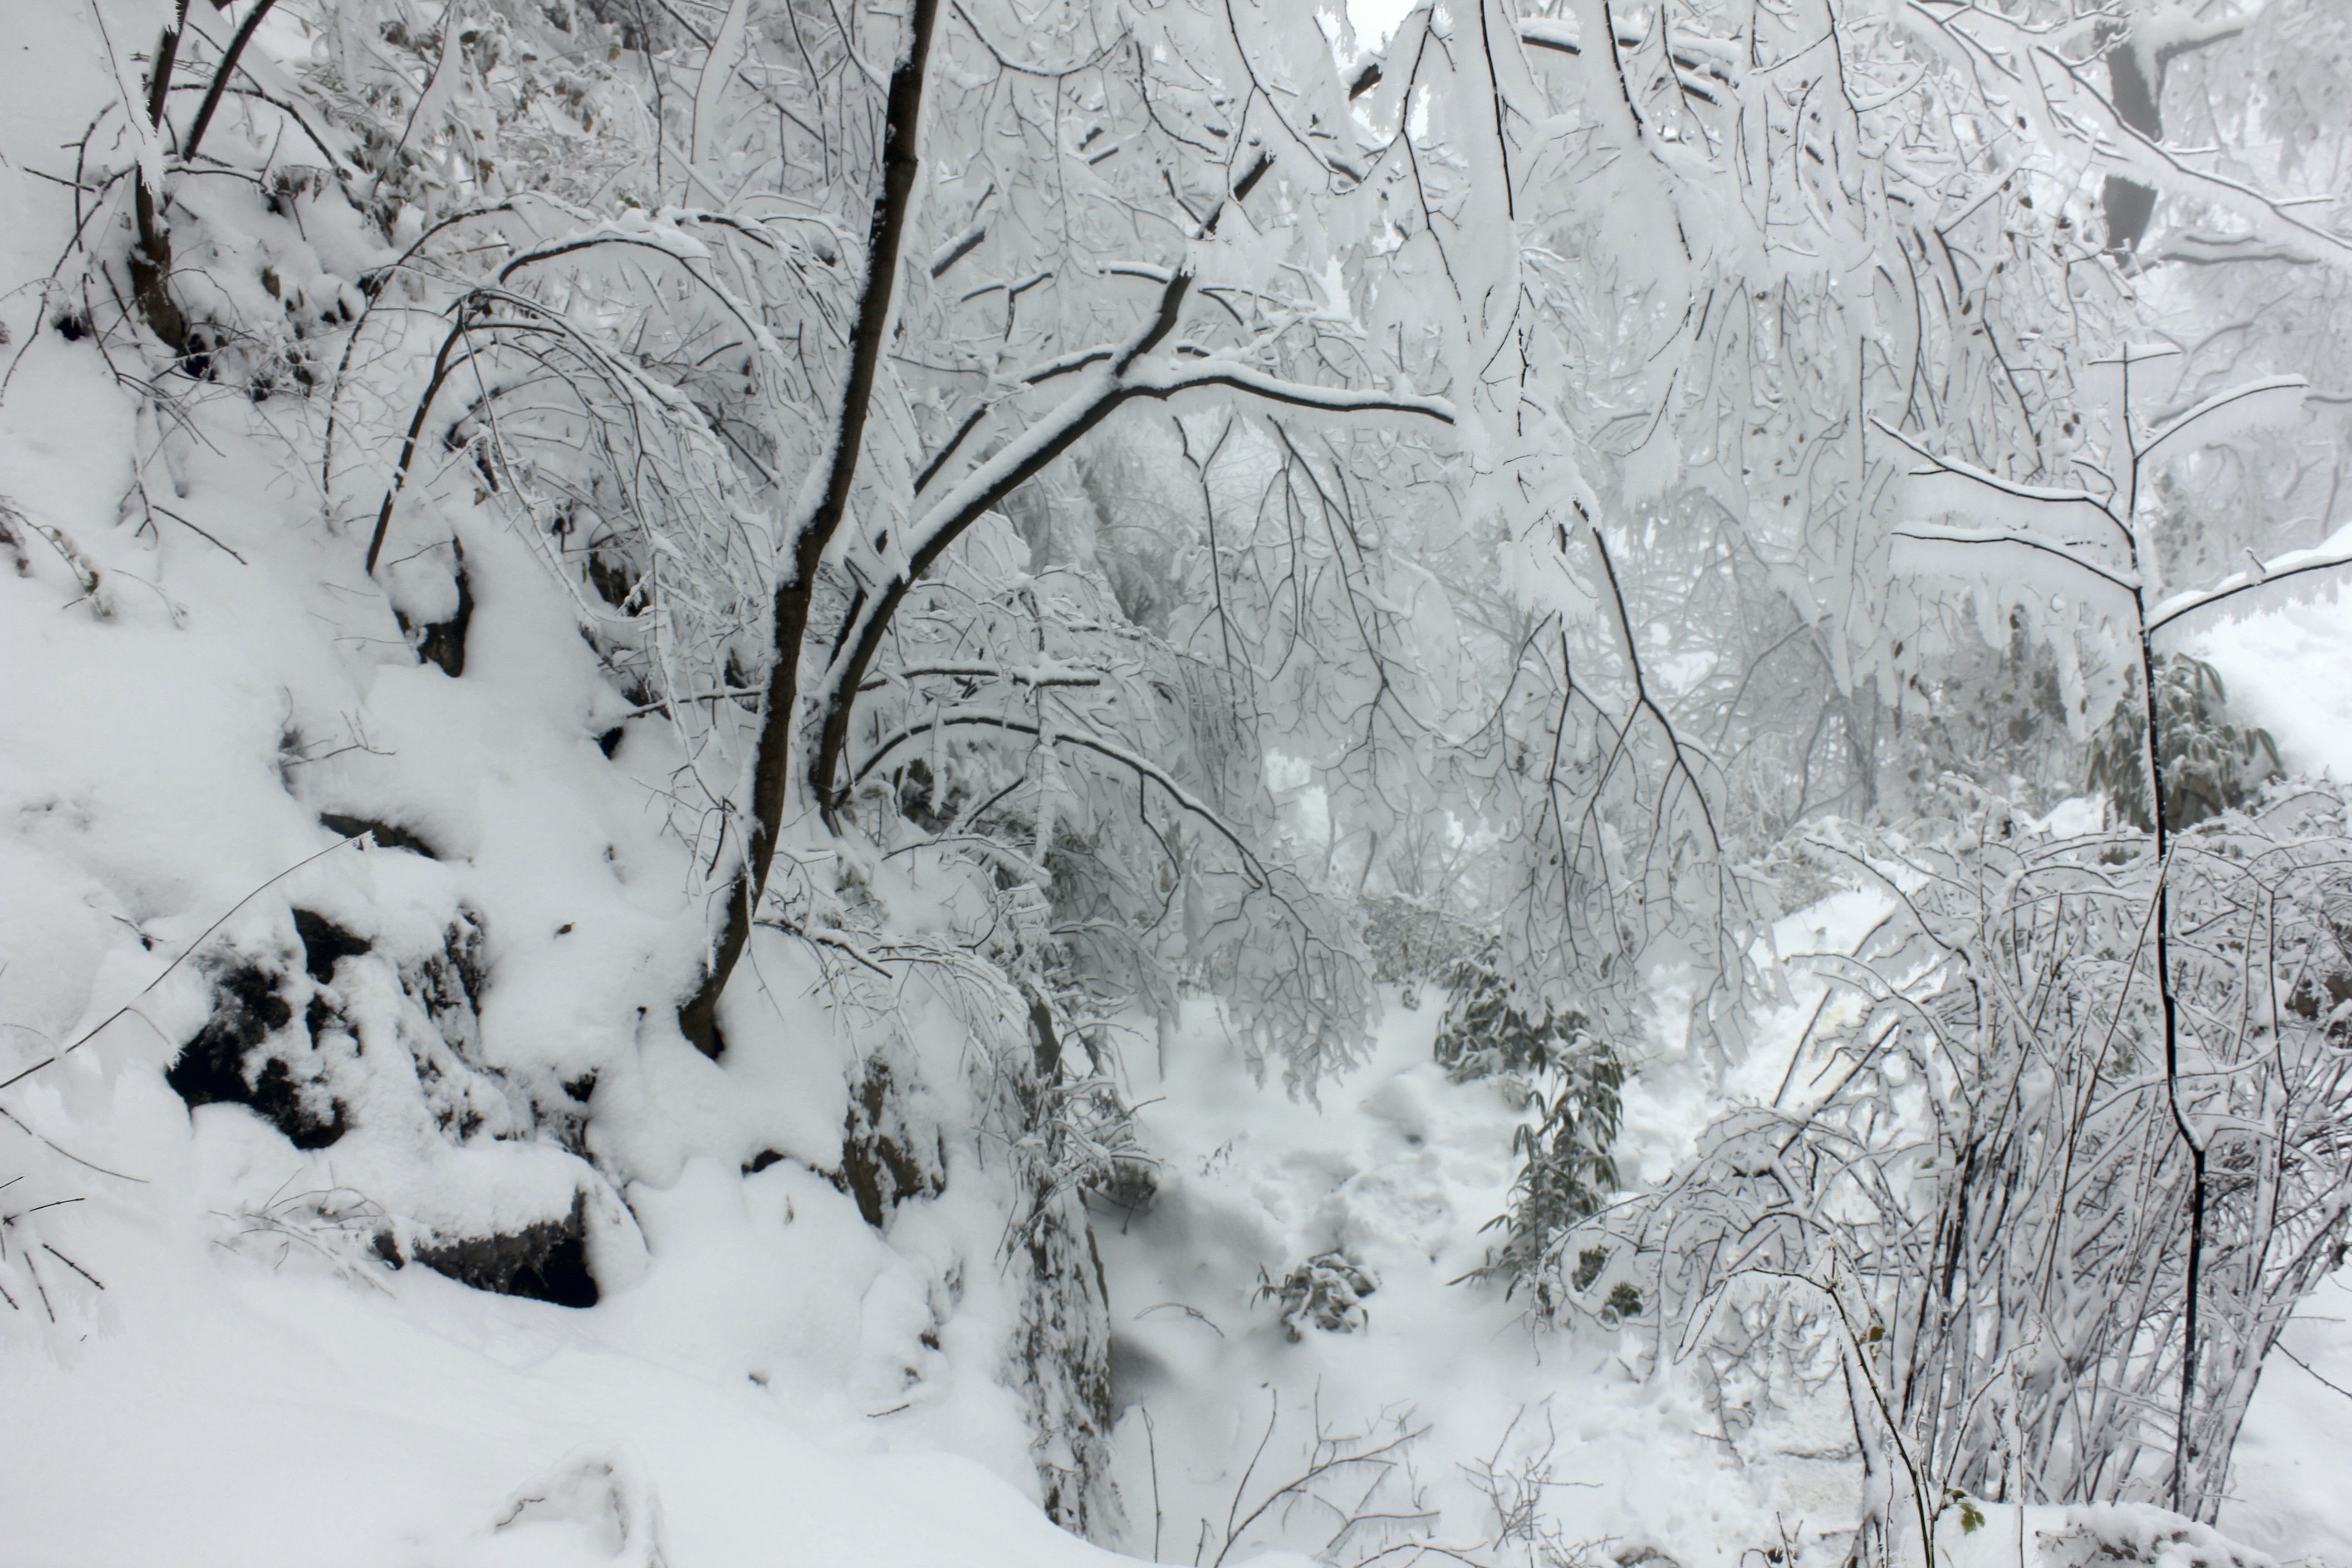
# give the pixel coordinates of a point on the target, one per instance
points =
(324, 944)
(283, 1102)
(247, 1010)
(545, 1262)
(883, 1163)
(388, 834)
(464, 1091)
(449, 983)
(444, 642)
(226, 1062)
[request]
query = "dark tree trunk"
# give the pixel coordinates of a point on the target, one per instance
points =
(772, 766)
(151, 258)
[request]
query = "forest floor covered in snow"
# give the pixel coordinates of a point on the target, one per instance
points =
(240, 779)
(762, 1380)
(255, 1385)
(249, 1394)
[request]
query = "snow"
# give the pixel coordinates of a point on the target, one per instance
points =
(209, 1358)
(1399, 1169)
(2291, 1499)
(2282, 667)
(287, 1418)
(253, 1386)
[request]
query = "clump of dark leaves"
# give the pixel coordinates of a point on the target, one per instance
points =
(2211, 766)
(1560, 1068)
(1325, 1292)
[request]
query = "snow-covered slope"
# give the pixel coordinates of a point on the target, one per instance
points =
(389, 869)
(339, 930)
(254, 1382)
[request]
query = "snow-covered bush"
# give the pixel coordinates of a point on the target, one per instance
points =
(1413, 943)
(2059, 1256)
(2210, 765)
(1994, 714)
(1325, 1292)
(1571, 1077)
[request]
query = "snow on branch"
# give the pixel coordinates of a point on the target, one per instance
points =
(1162, 376)
(1184, 798)
(1044, 674)
(2148, 158)
(1702, 77)
(1989, 485)
(1934, 533)
(2255, 403)
(2336, 552)
(1113, 376)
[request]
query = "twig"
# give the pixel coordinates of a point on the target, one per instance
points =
(131, 1006)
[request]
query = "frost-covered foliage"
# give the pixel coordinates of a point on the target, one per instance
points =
(2055, 1259)
(1568, 1077)
(1412, 944)
(2209, 764)
(1994, 717)
(1325, 1292)
(1566, 1172)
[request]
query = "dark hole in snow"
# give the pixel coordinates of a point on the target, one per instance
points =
(444, 642)
(610, 741)
(761, 1161)
(324, 944)
(388, 834)
(248, 1010)
(581, 1087)
(72, 326)
(545, 1262)
(1136, 1373)
(611, 579)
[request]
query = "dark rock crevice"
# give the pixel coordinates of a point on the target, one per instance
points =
(442, 643)
(325, 943)
(543, 1262)
(388, 834)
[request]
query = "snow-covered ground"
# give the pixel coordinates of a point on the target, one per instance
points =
(1398, 1169)
(766, 1378)
(2289, 669)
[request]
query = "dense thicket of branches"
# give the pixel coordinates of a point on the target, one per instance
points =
(1977, 1147)
(1161, 475)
